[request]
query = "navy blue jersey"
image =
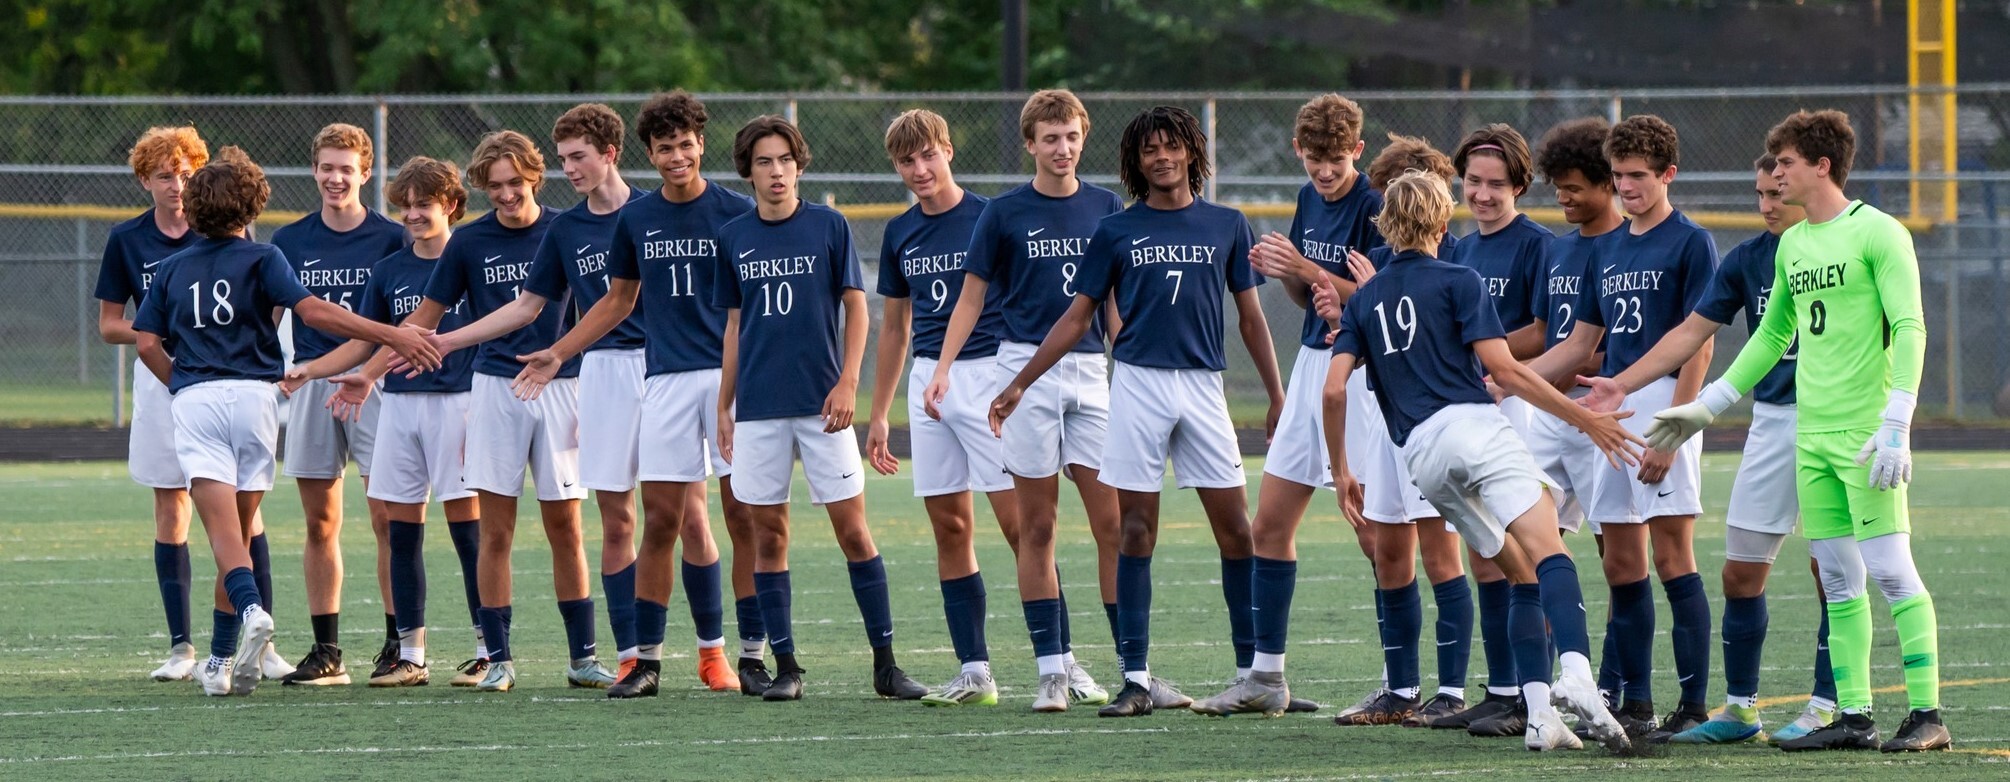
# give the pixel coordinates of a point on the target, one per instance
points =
(1167, 269)
(1413, 326)
(334, 266)
(487, 263)
(1645, 286)
(1380, 256)
(672, 249)
(1032, 245)
(1325, 230)
(397, 286)
(211, 305)
(133, 254)
(1744, 281)
(787, 278)
(921, 258)
(1513, 263)
(1570, 257)
(573, 256)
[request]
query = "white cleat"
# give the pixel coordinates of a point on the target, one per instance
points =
(1580, 696)
(1546, 732)
(1083, 689)
(276, 666)
(179, 667)
(1166, 696)
(967, 689)
(1053, 695)
(1258, 693)
(253, 639)
(500, 678)
(213, 676)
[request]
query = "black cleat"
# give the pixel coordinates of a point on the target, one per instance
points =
(1848, 731)
(754, 677)
(1637, 717)
(786, 687)
(1684, 717)
(387, 658)
(1301, 706)
(1135, 700)
(1386, 708)
(321, 667)
(1510, 723)
(1493, 706)
(639, 683)
(1921, 731)
(892, 682)
(1438, 707)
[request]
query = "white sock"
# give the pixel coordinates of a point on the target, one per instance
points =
(649, 652)
(1068, 659)
(1385, 676)
(1268, 663)
(1142, 678)
(1052, 664)
(1536, 696)
(625, 655)
(1576, 666)
(978, 668)
(1242, 673)
(215, 660)
(1821, 704)
(752, 649)
(1454, 692)
(1491, 690)
(1409, 692)
(412, 646)
(716, 643)
(1742, 701)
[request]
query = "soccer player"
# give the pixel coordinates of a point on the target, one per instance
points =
(1649, 278)
(1028, 242)
(1510, 253)
(666, 239)
(488, 262)
(1425, 330)
(1845, 297)
(1166, 393)
(208, 331)
(788, 387)
(421, 424)
(921, 275)
(332, 251)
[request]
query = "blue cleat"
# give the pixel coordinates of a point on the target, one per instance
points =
(1732, 725)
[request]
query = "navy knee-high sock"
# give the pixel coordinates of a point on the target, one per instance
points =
(241, 586)
(1563, 605)
(1110, 613)
(1527, 634)
(1402, 628)
(776, 596)
(1273, 581)
(1236, 583)
(619, 587)
(579, 633)
(1609, 681)
(467, 537)
(963, 607)
(747, 618)
(868, 588)
(1690, 608)
(171, 569)
(708, 608)
(1744, 638)
(1043, 620)
(1067, 631)
(1134, 611)
(1494, 599)
(1633, 623)
(261, 569)
(223, 633)
(495, 622)
(1825, 674)
(408, 574)
(652, 622)
(1454, 598)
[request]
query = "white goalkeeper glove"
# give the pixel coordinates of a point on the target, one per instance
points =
(1889, 451)
(1674, 426)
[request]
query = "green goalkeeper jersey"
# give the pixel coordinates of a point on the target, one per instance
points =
(1849, 290)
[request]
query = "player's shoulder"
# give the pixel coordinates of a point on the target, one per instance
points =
(303, 227)
(401, 257)
(1101, 195)
(1526, 229)
(137, 225)
(821, 215)
(725, 197)
(1762, 244)
(1014, 196)
(378, 221)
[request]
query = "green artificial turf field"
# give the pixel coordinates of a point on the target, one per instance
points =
(80, 627)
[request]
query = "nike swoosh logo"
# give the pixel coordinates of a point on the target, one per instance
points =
(401, 290)
(885, 634)
(492, 259)
(151, 265)
(1685, 678)
(1869, 521)
(1034, 232)
(1238, 465)
(588, 647)
(747, 253)
(847, 475)
(783, 639)
(1664, 493)
(1446, 643)
(1037, 632)
(568, 484)
(582, 249)
(910, 250)
(311, 263)
(652, 233)
(1307, 232)
(1139, 240)
(1552, 269)
(1607, 269)
(1392, 648)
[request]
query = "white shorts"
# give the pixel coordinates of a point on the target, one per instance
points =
(506, 435)
(680, 416)
(1469, 461)
(226, 431)
(1520, 415)
(1298, 447)
(419, 442)
(1763, 495)
(1571, 461)
(1178, 413)
(319, 445)
(765, 452)
(150, 452)
(958, 453)
(610, 418)
(1063, 419)
(1620, 498)
(1388, 494)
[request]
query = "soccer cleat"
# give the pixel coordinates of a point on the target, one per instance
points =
(1493, 705)
(404, 673)
(639, 682)
(1440, 706)
(179, 666)
(1385, 707)
(1811, 718)
(1545, 731)
(1848, 731)
(1258, 693)
(470, 673)
(1684, 717)
(1637, 717)
(1921, 731)
(213, 676)
(275, 666)
(386, 657)
(249, 664)
(1732, 725)
(892, 682)
(622, 667)
(1300, 706)
(714, 671)
(754, 677)
(967, 689)
(588, 673)
(1134, 700)
(1166, 696)
(500, 677)
(1580, 697)
(1083, 689)
(786, 687)
(1513, 722)
(1053, 695)
(321, 667)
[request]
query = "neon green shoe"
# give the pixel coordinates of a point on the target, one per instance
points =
(967, 689)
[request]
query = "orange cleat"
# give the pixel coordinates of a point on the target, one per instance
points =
(621, 673)
(715, 671)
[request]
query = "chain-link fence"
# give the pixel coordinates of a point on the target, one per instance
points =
(64, 183)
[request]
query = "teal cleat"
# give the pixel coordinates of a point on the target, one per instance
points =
(1810, 720)
(1732, 725)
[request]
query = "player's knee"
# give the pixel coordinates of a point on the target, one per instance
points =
(1892, 569)
(324, 532)
(1743, 579)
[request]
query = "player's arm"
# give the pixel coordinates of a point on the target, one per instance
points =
(1113, 321)
(1560, 365)
(506, 319)
(962, 321)
(1895, 267)
(1527, 342)
(113, 327)
(842, 403)
(542, 365)
(1274, 257)
(1333, 410)
(897, 317)
(409, 343)
(153, 355)
(729, 377)
(1256, 337)
(1518, 379)
(1060, 339)
(1775, 334)
(1677, 351)
(343, 358)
